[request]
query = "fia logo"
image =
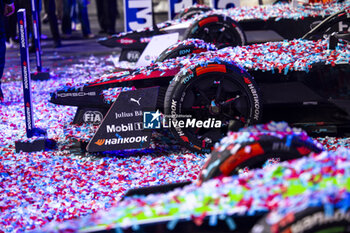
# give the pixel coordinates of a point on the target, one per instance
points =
(133, 56)
(136, 101)
(151, 120)
(93, 117)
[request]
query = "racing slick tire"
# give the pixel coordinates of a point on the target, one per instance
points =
(309, 220)
(281, 1)
(220, 30)
(238, 151)
(184, 48)
(188, 13)
(210, 100)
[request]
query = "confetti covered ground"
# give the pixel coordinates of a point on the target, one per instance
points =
(37, 188)
(322, 180)
(42, 187)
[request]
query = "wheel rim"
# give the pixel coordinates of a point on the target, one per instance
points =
(190, 14)
(220, 34)
(217, 96)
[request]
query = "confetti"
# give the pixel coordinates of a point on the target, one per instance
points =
(323, 179)
(40, 187)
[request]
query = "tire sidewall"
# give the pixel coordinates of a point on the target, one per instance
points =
(272, 147)
(183, 80)
(222, 19)
(191, 12)
(304, 221)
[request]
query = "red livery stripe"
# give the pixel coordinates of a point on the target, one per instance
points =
(211, 68)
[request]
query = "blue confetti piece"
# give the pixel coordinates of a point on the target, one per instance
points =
(346, 203)
(222, 216)
(172, 224)
(329, 209)
(289, 140)
(230, 223)
(213, 220)
(4, 174)
(251, 212)
(118, 230)
(135, 227)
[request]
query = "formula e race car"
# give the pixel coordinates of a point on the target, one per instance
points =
(204, 95)
(306, 195)
(235, 26)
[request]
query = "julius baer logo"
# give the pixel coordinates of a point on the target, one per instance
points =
(156, 120)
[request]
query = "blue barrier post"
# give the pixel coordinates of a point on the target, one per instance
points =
(27, 91)
(40, 74)
(36, 37)
(39, 144)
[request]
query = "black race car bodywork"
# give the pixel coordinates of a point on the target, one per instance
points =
(236, 26)
(301, 82)
(305, 195)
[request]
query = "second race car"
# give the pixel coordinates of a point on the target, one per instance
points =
(234, 26)
(305, 83)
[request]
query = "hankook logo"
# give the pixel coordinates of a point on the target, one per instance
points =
(25, 76)
(255, 97)
(126, 140)
(100, 142)
(21, 29)
(318, 219)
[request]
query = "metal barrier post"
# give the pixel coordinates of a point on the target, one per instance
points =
(41, 143)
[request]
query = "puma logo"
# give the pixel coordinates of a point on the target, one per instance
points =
(136, 101)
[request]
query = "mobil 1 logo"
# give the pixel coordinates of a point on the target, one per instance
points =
(122, 127)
